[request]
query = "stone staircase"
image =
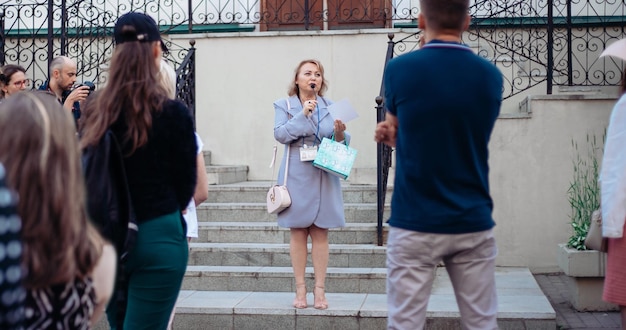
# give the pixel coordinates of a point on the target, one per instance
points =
(240, 277)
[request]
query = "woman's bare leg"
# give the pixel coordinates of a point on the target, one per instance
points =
(319, 254)
(298, 253)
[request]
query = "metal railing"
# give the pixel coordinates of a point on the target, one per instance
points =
(186, 80)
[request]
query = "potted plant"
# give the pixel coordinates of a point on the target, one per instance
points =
(583, 193)
(584, 267)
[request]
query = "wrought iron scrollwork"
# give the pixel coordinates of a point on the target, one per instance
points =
(82, 30)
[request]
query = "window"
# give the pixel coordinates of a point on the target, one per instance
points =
(324, 14)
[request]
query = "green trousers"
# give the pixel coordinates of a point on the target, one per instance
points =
(154, 271)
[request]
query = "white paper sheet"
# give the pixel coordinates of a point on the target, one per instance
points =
(342, 110)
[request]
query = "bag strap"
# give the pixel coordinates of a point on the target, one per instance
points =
(286, 164)
(287, 156)
(288, 149)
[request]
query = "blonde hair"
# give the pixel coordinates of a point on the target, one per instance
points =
(293, 87)
(39, 148)
(168, 78)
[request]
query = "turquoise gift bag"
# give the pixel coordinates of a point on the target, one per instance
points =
(335, 158)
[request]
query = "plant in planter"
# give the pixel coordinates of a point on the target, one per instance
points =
(585, 268)
(583, 193)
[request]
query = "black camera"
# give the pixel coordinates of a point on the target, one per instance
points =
(89, 84)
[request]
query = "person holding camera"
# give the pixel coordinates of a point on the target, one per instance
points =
(61, 84)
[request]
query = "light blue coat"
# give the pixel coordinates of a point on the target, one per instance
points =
(316, 196)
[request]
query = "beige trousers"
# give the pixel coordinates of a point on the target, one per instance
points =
(470, 261)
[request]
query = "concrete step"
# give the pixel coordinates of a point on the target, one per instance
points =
(521, 305)
(207, 157)
(277, 255)
(255, 192)
(223, 174)
(269, 232)
(280, 279)
(257, 212)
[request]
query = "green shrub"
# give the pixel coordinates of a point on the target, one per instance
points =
(584, 190)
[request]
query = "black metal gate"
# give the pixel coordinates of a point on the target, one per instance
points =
(33, 33)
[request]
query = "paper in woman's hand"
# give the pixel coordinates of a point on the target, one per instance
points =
(342, 110)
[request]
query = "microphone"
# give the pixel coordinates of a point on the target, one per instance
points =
(313, 88)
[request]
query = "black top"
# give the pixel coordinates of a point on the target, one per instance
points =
(162, 173)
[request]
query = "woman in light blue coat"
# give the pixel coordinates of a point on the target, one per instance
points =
(302, 120)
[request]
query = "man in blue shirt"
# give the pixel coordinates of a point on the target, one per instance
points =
(442, 103)
(61, 84)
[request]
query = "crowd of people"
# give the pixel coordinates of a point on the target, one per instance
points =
(66, 268)
(67, 262)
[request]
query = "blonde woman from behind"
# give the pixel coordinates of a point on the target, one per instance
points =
(168, 79)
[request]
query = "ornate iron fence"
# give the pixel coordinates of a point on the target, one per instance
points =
(557, 42)
(186, 80)
(33, 33)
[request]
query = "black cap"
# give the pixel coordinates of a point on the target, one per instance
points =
(145, 29)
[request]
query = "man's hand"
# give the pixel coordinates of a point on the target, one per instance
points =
(79, 94)
(386, 130)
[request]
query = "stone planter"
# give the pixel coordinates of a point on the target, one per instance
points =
(586, 278)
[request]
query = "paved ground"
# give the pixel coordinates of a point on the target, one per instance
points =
(554, 287)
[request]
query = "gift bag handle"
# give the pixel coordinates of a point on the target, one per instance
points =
(344, 140)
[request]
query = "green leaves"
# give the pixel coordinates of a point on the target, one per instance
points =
(583, 193)
(577, 240)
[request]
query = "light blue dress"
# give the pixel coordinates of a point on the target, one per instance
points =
(316, 196)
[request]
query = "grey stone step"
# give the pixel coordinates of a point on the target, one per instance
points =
(521, 305)
(277, 255)
(269, 232)
(207, 157)
(280, 279)
(255, 192)
(223, 174)
(245, 212)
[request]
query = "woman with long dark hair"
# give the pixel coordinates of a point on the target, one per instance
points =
(69, 266)
(157, 138)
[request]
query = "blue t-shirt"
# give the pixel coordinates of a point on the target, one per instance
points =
(446, 99)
